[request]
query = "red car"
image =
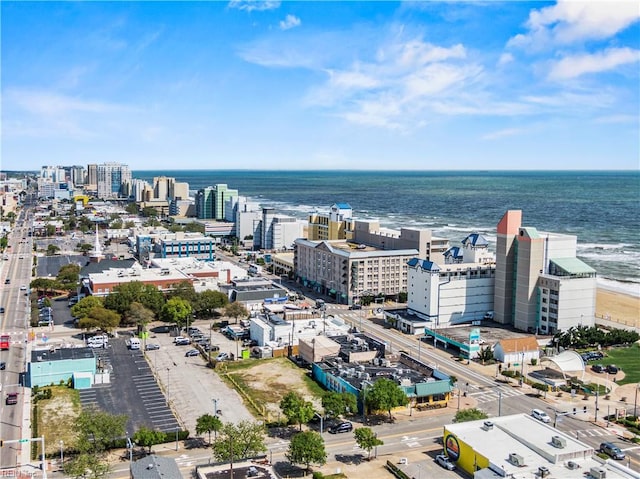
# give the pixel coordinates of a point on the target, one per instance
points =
(12, 398)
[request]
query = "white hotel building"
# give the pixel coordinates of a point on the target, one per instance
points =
(458, 291)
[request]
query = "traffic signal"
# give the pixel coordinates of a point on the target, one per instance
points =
(574, 411)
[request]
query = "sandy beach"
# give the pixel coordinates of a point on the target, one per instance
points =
(618, 307)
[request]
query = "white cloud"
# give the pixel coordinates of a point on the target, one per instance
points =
(290, 21)
(496, 135)
(505, 59)
(251, 5)
(617, 119)
(571, 21)
(47, 103)
(577, 65)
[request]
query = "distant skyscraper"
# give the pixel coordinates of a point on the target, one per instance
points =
(92, 174)
(211, 201)
(78, 175)
(111, 177)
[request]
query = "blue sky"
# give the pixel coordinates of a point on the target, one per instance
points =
(321, 85)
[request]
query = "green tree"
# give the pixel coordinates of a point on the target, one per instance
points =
(177, 311)
(130, 224)
(385, 395)
(236, 310)
(208, 423)
(81, 308)
(485, 354)
(116, 224)
(149, 212)
(367, 439)
(184, 290)
(297, 410)
(239, 441)
(131, 208)
(100, 318)
(472, 414)
(44, 285)
(52, 249)
(139, 315)
(207, 302)
(146, 437)
(339, 403)
(85, 465)
(68, 276)
(50, 230)
(124, 294)
(84, 247)
(98, 430)
(194, 227)
(307, 448)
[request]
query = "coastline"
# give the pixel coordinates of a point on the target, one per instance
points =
(618, 306)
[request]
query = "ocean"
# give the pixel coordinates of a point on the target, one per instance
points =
(602, 208)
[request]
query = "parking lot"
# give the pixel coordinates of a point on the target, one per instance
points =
(133, 390)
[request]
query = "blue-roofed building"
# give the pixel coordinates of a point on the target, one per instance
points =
(459, 290)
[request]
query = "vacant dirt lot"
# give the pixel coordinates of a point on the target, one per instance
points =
(56, 418)
(268, 381)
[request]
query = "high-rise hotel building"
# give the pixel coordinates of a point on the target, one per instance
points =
(110, 178)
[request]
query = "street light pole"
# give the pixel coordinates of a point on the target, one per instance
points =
(61, 453)
(215, 407)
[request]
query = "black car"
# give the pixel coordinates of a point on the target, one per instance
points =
(611, 369)
(597, 368)
(3, 365)
(342, 427)
(1, 310)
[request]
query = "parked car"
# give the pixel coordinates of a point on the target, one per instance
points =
(192, 352)
(222, 357)
(444, 461)
(612, 369)
(1, 310)
(151, 347)
(355, 306)
(7, 281)
(211, 347)
(597, 368)
(540, 415)
(342, 427)
(612, 450)
(12, 398)
(3, 365)
(183, 342)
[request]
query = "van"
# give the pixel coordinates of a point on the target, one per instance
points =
(540, 415)
(98, 341)
(612, 450)
(134, 343)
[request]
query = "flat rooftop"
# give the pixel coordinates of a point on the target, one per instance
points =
(537, 444)
(46, 355)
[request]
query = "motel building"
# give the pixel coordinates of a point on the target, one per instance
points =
(522, 447)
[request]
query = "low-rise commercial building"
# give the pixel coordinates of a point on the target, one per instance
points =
(521, 447)
(52, 366)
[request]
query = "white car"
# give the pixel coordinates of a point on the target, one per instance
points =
(222, 357)
(23, 288)
(540, 415)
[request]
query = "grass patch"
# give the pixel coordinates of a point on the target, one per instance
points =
(56, 418)
(628, 359)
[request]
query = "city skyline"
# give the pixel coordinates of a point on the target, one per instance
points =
(321, 85)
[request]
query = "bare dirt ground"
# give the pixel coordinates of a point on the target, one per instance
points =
(269, 381)
(56, 418)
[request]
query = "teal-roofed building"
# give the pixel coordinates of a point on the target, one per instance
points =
(424, 386)
(52, 366)
(541, 286)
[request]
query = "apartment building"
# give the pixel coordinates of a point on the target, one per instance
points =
(211, 201)
(111, 177)
(541, 286)
(459, 290)
(330, 226)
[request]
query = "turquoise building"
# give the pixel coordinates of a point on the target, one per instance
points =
(51, 366)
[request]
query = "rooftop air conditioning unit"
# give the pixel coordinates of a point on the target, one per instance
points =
(573, 465)
(516, 459)
(559, 442)
(543, 471)
(598, 473)
(487, 425)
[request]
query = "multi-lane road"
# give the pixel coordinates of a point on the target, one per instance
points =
(15, 276)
